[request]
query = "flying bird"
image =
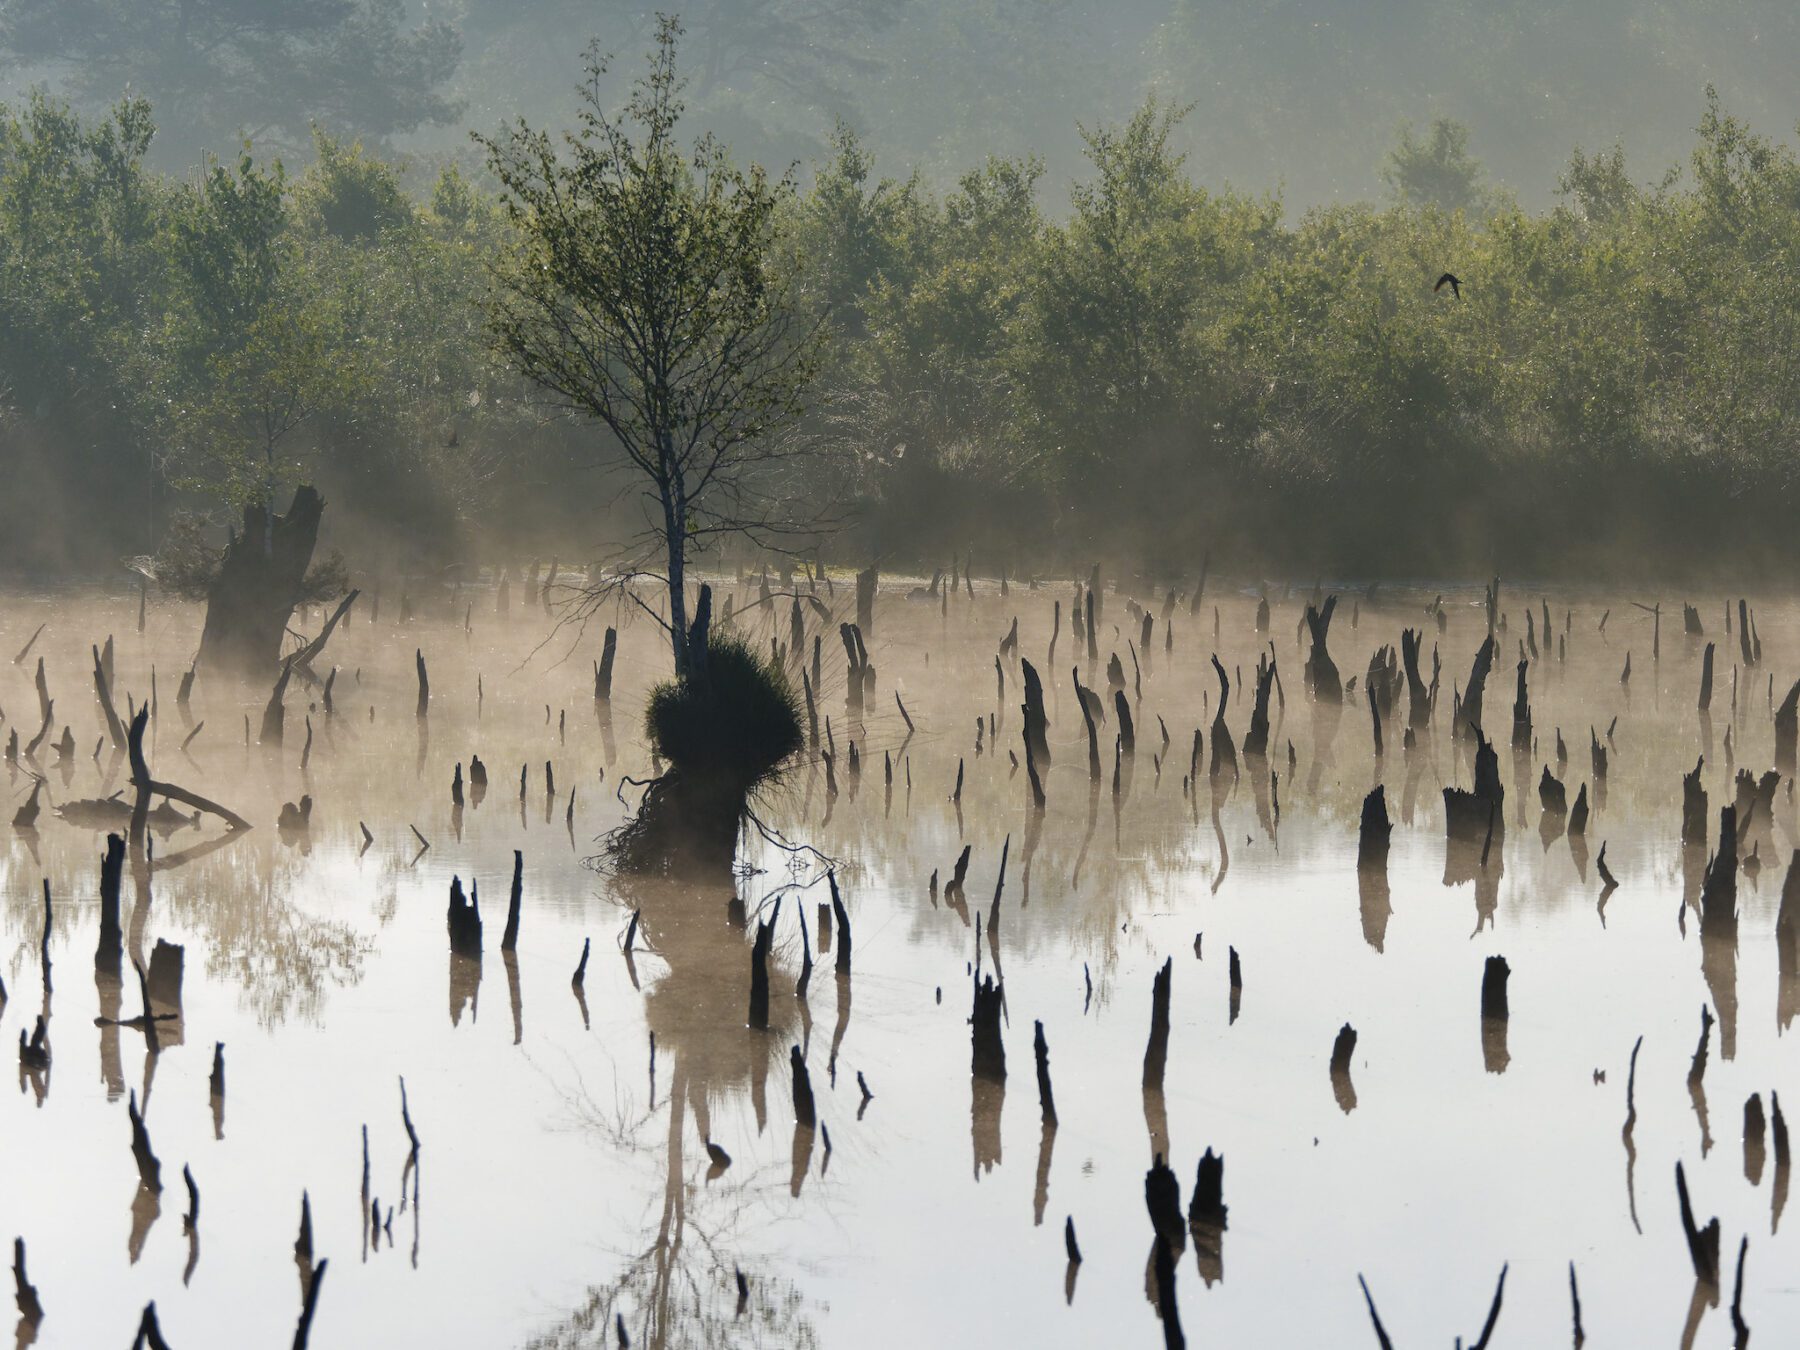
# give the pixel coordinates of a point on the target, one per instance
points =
(1448, 280)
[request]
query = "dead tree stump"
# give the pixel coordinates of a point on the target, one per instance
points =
(261, 578)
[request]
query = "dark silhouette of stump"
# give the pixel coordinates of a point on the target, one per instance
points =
(1127, 732)
(1521, 725)
(1156, 1051)
(805, 1116)
(1702, 1243)
(510, 938)
(1046, 1098)
(603, 668)
(1476, 816)
(109, 951)
(759, 970)
(1037, 724)
(1321, 671)
(1206, 1218)
(1373, 834)
(1494, 1014)
(1418, 697)
(1256, 740)
(463, 919)
(988, 1054)
(1223, 755)
(1162, 1197)
(1468, 716)
(1718, 892)
(1553, 797)
(842, 919)
(1208, 1203)
(261, 578)
(1693, 806)
(1787, 730)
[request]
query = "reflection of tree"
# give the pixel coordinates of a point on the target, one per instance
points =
(681, 1289)
(281, 958)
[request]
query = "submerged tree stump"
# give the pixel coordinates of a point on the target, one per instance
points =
(987, 1051)
(1374, 831)
(1321, 671)
(1693, 806)
(261, 578)
(1468, 716)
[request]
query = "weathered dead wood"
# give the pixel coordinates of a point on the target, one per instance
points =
(261, 578)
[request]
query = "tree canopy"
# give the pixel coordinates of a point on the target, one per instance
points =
(645, 287)
(222, 71)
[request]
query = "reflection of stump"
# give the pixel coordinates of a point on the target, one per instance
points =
(465, 987)
(1341, 1051)
(1494, 1054)
(724, 726)
(260, 579)
(1376, 904)
(987, 1096)
(1787, 946)
(685, 822)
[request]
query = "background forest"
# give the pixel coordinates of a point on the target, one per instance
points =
(1170, 266)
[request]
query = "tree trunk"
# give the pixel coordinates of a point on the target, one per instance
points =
(259, 582)
(675, 528)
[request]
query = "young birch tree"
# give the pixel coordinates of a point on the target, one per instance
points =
(647, 287)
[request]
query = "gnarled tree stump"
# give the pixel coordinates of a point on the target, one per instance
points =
(259, 582)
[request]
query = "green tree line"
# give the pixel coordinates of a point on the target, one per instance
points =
(1163, 367)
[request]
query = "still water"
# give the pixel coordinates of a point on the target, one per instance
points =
(563, 1180)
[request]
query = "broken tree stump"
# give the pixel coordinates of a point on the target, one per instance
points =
(261, 578)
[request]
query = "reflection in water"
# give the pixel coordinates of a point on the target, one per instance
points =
(677, 1290)
(1341, 1051)
(335, 930)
